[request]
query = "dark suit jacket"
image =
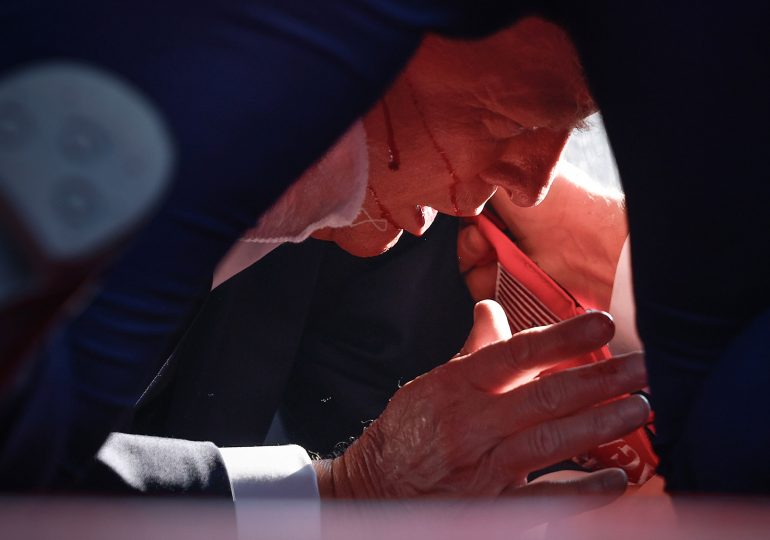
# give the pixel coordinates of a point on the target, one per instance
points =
(129, 464)
(319, 334)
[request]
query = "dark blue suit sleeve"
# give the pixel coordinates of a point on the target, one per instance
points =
(132, 464)
(252, 92)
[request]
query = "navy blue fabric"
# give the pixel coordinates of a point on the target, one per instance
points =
(683, 92)
(726, 438)
(227, 375)
(374, 324)
(254, 91)
(329, 344)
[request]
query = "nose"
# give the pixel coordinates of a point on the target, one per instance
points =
(525, 164)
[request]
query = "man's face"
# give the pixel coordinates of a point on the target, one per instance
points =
(463, 119)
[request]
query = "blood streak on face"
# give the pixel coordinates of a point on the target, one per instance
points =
(394, 162)
(440, 151)
(463, 119)
(384, 212)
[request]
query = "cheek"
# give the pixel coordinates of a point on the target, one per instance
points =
(453, 186)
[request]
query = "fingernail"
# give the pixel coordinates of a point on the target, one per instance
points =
(636, 409)
(605, 313)
(600, 328)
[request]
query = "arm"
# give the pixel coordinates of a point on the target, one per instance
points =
(139, 464)
(479, 424)
(475, 426)
(252, 93)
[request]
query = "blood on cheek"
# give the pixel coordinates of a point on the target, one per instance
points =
(384, 212)
(394, 163)
(439, 150)
(394, 159)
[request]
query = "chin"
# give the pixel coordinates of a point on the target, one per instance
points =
(367, 246)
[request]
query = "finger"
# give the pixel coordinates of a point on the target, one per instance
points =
(566, 392)
(582, 493)
(472, 248)
(481, 281)
(506, 364)
(557, 440)
(605, 486)
(490, 325)
(587, 492)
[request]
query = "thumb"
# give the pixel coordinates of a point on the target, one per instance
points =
(473, 249)
(490, 325)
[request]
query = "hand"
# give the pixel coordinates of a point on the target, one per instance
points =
(477, 425)
(575, 235)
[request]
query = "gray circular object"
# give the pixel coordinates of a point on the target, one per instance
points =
(83, 139)
(15, 125)
(91, 156)
(76, 201)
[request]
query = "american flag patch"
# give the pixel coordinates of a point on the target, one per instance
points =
(523, 309)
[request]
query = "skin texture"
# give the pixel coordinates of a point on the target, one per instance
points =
(424, 445)
(586, 222)
(479, 424)
(462, 126)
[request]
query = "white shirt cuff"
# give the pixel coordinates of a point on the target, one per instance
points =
(273, 472)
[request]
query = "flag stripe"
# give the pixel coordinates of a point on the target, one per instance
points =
(524, 310)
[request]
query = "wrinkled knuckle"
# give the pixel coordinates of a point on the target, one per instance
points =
(548, 395)
(545, 440)
(518, 352)
(604, 422)
(508, 357)
(606, 383)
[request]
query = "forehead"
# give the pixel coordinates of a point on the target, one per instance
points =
(529, 72)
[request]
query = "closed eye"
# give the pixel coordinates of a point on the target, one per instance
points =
(498, 125)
